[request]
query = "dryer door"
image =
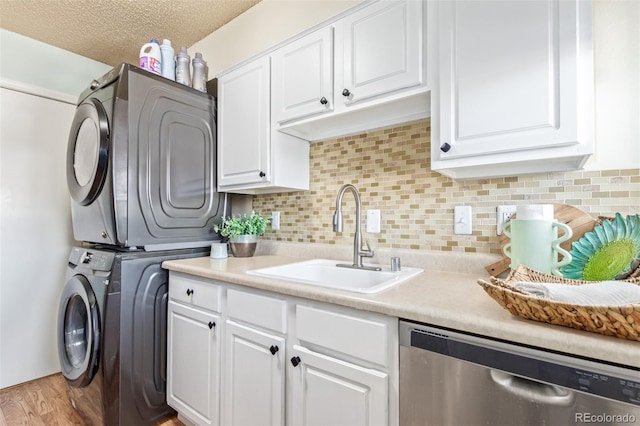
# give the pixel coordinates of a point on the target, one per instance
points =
(87, 152)
(78, 332)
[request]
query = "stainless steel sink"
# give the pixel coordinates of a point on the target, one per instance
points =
(324, 273)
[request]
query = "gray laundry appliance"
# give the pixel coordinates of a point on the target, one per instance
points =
(112, 324)
(141, 163)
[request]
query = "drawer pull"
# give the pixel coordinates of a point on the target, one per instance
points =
(189, 292)
(274, 349)
(211, 324)
(295, 361)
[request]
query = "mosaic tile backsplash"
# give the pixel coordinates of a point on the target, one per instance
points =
(390, 167)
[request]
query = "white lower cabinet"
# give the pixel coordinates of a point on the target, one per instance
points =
(253, 387)
(328, 391)
(193, 362)
(285, 361)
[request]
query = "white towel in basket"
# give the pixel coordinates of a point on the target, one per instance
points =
(604, 293)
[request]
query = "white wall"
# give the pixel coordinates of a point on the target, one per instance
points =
(617, 82)
(35, 235)
(38, 64)
(39, 85)
(263, 26)
(616, 52)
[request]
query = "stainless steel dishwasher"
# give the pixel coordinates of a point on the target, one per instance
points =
(458, 379)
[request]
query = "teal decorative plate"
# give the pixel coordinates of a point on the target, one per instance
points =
(607, 252)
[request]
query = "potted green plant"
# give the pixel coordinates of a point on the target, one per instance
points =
(243, 232)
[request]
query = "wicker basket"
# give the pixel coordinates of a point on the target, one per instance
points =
(619, 321)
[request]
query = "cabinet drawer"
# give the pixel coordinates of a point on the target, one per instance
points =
(264, 311)
(195, 292)
(362, 338)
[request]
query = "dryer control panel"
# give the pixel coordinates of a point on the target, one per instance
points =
(91, 259)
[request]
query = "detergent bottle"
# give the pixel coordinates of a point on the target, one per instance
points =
(199, 73)
(168, 63)
(150, 57)
(183, 70)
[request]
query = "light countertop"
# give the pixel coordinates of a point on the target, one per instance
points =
(448, 299)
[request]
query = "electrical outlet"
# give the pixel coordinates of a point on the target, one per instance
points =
(503, 215)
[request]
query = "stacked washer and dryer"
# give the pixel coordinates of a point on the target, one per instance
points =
(141, 175)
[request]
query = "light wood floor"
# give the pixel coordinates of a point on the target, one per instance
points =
(44, 402)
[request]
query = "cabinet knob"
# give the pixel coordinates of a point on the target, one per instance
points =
(189, 292)
(295, 361)
(346, 92)
(211, 324)
(445, 147)
(324, 101)
(262, 174)
(274, 349)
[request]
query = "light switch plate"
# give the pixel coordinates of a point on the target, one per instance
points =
(275, 220)
(462, 220)
(373, 221)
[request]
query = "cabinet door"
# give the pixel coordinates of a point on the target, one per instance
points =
(254, 380)
(328, 391)
(381, 50)
(508, 76)
(244, 124)
(303, 77)
(193, 358)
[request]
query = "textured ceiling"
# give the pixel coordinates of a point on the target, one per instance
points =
(112, 31)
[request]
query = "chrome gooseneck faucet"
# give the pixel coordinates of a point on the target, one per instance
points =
(358, 251)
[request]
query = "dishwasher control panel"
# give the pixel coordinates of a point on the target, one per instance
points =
(608, 386)
(595, 378)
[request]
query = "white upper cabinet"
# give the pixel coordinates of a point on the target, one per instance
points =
(303, 77)
(253, 158)
(364, 71)
(513, 91)
(243, 125)
(379, 51)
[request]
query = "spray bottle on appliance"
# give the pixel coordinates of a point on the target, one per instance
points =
(150, 57)
(183, 70)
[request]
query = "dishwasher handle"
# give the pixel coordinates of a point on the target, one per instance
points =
(532, 390)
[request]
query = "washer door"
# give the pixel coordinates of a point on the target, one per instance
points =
(87, 152)
(78, 332)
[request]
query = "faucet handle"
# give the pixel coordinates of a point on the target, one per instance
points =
(366, 252)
